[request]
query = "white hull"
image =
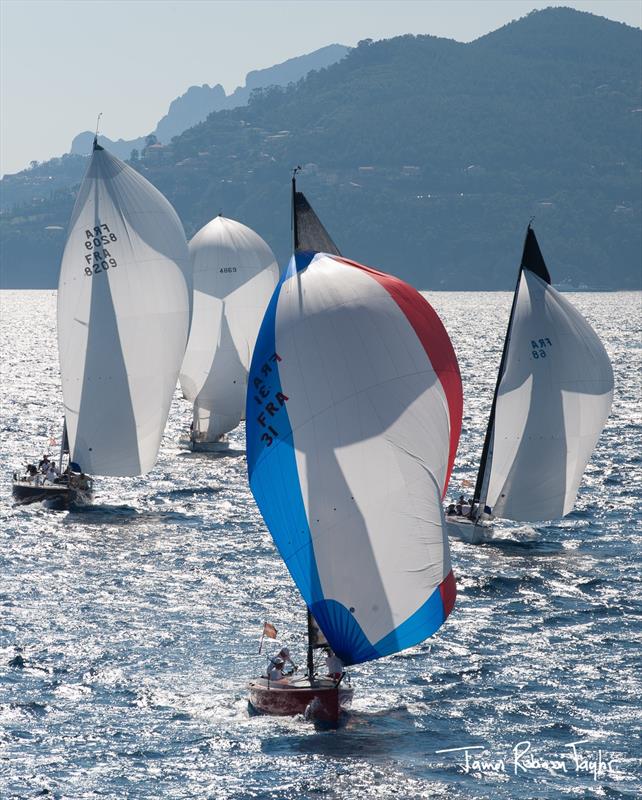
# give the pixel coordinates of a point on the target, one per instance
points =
(219, 446)
(467, 530)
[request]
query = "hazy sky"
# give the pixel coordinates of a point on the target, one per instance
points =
(63, 61)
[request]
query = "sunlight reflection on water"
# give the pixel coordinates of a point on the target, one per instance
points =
(137, 620)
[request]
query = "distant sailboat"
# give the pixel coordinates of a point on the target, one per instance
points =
(123, 311)
(234, 273)
(552, 398)
(353, 418)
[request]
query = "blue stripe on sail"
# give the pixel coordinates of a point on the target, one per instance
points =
(272, 469)
(350, 643)
(343, 632)
(419, 626)
(274, 481)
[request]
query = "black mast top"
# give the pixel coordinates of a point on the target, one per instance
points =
(532, 260)
(96, 145)
(532, 257)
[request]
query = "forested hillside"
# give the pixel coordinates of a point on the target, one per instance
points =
(423, 156)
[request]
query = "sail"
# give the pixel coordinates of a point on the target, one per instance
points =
(234, 273)
(353, 418)
(553, 398)
(309, 233)
(316, 636)
(123, 310)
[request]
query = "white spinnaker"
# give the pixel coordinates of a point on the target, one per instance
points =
(234, 273)
(552, 404)
(371, 433)
(123, 316)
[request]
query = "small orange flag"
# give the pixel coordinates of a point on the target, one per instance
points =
(269, 630)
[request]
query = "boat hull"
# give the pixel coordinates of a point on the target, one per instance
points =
(196, 446)
(55, 496)
(323, 700)
(467, 530)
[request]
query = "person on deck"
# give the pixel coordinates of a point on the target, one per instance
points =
(43, 464)
(52, 472)
(333, 664)
(275, 672)
(284, 655)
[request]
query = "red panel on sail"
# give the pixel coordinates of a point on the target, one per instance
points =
(436, 343)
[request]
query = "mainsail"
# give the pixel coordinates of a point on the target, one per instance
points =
(123, 311)
(553, 396)
(234, 273)
(353, 418)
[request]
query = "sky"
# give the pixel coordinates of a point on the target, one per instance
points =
(64, 61)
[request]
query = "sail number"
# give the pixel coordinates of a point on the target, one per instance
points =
(99, 259)
(227, 269)
(539, 347)
(271, 402)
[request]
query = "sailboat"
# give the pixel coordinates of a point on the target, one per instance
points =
(234, 273)
(61, 488)
(353, 418)
(123, 312)
(552, 398)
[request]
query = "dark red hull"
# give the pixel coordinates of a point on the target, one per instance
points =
(322, 701)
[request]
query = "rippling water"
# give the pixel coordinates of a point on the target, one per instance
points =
(128, 630)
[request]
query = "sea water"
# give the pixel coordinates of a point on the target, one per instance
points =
(128, 630)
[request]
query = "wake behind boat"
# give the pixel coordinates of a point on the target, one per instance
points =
(552, 398)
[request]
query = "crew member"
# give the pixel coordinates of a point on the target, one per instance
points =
(275, 672)
(333, 664)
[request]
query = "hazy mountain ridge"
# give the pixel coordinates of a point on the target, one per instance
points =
(192, 107)
(427, 157)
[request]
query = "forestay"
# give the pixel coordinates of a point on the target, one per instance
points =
(234, 273)
(123, 315)
(353, 419)
(553, 398)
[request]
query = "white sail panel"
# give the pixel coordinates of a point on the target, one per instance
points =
(354, 410)
(234, 273)
(553, 401)
(123, 315)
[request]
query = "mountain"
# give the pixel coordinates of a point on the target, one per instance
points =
(197, 102)
(40, 181)
(423, 156)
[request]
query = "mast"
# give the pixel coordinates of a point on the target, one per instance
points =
(295, 225)
(310, 647)
(531, 259)
(64, 447)
(96, 146)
